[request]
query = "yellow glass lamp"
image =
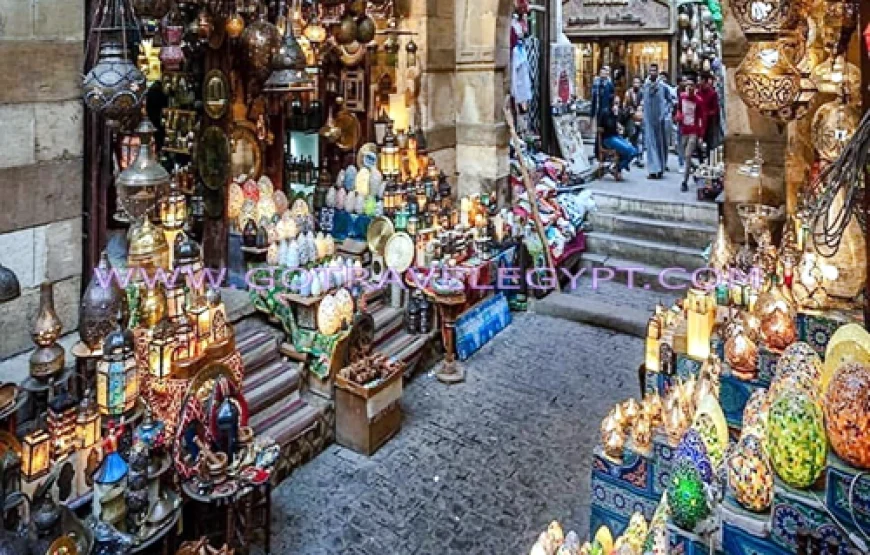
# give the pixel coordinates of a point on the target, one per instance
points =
(700, 311)
(87, 423)
(201, 317)
(147, 247)
(173, 209)
(161, 349)
(185, 337)
(836, 74)
(389, 156)
(833, 127)
(35, 454)
(653, 344)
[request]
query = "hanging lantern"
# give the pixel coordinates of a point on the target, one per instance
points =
(260, 42)
(411, 51)
(391, 51)
(765, 17)
(389, 156)
(145, 180)
(117, 375)
(173, 209)
(35, 454)
(382, 125)
(188, 262)
(288, 68)
(833, 127)
(235, 24)
(769, 83)
(161, 349)
(87, 422)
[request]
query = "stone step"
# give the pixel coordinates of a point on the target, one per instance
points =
(645, 253)
(684, 234)
(271, 384)
(577, 308)
(651, 278)
(703, 213)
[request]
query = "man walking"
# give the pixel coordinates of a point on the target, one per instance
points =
(603, 92)
(713, 124)
(691, 118)
(633, 109)
(656, 116)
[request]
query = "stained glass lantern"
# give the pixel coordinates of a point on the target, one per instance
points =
(288, 68)
(188, 262)
(201, 317)
(114, 87)
(750, 475)
(847, 414)
(35, 454)
(145, 180)
(174, 298)
(381, 124)
(218, 311)
(769, 83)
(185, 338)
(687, 499)
(161, 349)
(87, 422)
(693, 450)
(117, 374)
(260, 41)
(173, 209)
(389, 156)
(796, 439)
(833, 127)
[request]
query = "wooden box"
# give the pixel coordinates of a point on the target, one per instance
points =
(365, 418)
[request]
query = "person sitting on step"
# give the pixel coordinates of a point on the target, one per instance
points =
(611, 138)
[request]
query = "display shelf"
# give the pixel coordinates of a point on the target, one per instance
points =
(794, 509)
(847, 493)
(817, 328)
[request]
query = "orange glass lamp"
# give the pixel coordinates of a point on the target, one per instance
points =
(35, 454)
(700, 314)
(185, 338)
(218, 313)
(161, 349)
(201, 317)
(87, 423)
(175, 298)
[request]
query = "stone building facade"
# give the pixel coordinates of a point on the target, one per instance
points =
(41, 163)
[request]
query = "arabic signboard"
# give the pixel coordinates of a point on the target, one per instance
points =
(595, 18)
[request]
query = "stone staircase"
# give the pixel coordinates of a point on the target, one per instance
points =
(393, 340)
(302, 426)
(649, 227)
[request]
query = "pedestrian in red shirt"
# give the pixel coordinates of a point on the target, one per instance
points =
(691, 118)
(713, 125)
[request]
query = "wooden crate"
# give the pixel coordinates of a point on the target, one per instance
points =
(366, 418)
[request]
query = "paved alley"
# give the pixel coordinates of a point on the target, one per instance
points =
(480, 467)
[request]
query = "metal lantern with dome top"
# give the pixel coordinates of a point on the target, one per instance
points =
(145, 180)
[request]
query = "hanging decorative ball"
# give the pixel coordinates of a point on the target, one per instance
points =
(833, 127)
(750, 475)
(778, 329)
(796, 438)
(836, 74)
(260, 42)
(755, 413)
(114, 87)
(365, 30)
(769, 83)
(687, 499)
(235, 25)
(847, 414)
(693, 449)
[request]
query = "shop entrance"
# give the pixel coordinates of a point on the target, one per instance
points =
(627, 57)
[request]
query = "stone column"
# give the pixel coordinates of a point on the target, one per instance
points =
(41, 164)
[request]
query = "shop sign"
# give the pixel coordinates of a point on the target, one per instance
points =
(620, 17)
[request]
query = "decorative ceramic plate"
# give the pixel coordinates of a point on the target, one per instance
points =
(399, 252)
(379, 232)
(350, 130)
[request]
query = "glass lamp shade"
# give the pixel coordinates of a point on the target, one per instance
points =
(778, 329)
(147, 247)
(235, 25)
(288, 68)
(800, 358)
(161, 349)
(849, 344)
(711, 426)
(687, 499)
(796, 439)
(761, 16)
(847, 414)
(140, 185)
(185, 338)
(315, 32)
(741, 353)
(833, 127)
(173, 209)
(217, 309)
(750, 475)
(87, 423)
(755, 413)
(35, 454)
(114, 87)
(260, 41)
(769, 83)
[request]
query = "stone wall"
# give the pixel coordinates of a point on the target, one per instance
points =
(41, 164)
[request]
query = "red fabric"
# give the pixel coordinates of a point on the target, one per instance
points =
(710, 98)
(691, 124)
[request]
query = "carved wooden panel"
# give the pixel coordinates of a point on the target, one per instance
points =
(617, 17)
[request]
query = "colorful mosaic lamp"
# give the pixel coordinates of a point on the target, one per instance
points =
(796, 439)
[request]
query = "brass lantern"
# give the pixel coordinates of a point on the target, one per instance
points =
(411, 51)
(188, 262)
(765, 17)
(140, 185)
(117, 375)
(835, 75)
(389, 157)
(161, 349)
(201, 319)
(87, 422)
(148, 249)
(173, 209)
(833, 127)
(769, 83)
(35, 454)
(219, 325)
(174, 298)
(288, 68)
(185, 338)
(381, 124)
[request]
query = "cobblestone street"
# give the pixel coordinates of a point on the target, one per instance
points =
(479, 467)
